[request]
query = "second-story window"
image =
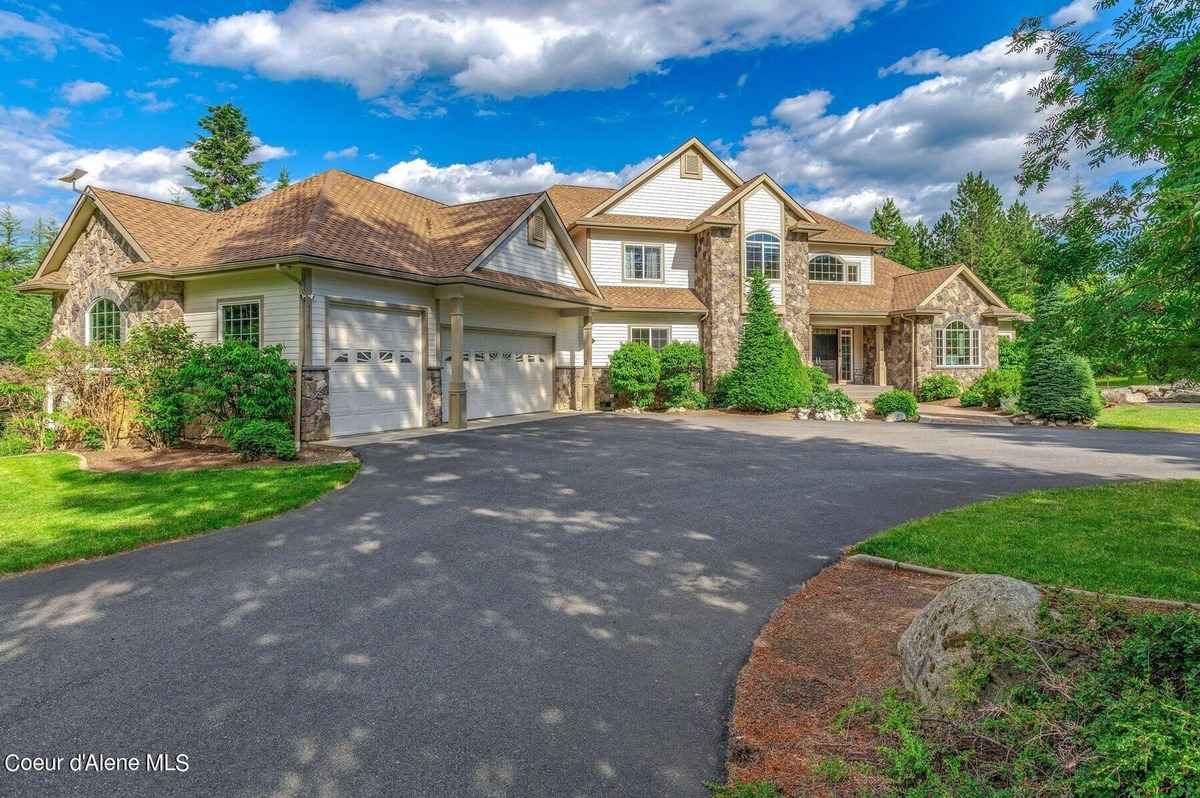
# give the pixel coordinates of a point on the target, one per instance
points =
(643, 262)
(832, 269)
(762, 256)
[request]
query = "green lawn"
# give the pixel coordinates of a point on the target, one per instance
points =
(55, 511)
(1136, 538)
(1123, 381)
(1173, 418)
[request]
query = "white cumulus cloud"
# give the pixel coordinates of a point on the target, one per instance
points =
(43, 35)
(495, 47)
(344, 152)
(78, 92)
(1080, 12)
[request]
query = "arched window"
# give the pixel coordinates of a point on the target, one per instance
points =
(762, 256)
(957, 345)
(832, 269)
(104, 323)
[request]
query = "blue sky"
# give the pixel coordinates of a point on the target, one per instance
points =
(843, 101)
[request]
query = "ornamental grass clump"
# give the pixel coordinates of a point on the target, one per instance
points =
(769, 376)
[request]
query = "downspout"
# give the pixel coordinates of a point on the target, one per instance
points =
(301, 346)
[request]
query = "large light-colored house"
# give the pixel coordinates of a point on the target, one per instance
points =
(400, 311)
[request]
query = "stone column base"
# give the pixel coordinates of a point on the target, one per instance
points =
(433, 397)
(567, 387)
(314, 404)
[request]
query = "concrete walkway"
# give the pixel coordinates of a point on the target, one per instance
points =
(554, 608)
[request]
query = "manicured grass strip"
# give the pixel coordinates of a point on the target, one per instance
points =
(1138, 538)
(1151, 417)
(55, 511)
(1121, 381)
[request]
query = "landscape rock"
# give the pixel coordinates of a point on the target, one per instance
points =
(629, 411)
(1133, 398)
(895, 416)
(937, 644)
(801, 413)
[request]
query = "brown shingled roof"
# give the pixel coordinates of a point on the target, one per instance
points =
(628, 220)
(849, 297)
(572, 202)
(915, 287)
(836, 232)
(647, 298)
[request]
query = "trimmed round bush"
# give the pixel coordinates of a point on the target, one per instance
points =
(682, 366)
(255, 438)
(971, 398)
(825, 399)
(1059, 386)
(939, 386)
(633, 372)
(769, 376)
(995, 384)
(896, 401)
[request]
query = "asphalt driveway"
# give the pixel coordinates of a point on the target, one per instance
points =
(557, 608)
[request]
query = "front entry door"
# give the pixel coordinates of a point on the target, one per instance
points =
(825, 352)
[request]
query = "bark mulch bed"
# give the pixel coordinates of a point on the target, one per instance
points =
(194, 457)
(830, 643)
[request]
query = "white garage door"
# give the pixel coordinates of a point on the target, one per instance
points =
(505, 374)
(374, 369)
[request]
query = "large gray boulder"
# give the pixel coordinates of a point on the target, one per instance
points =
(936, 645)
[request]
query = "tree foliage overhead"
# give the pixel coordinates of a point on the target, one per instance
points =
(224, 174)
(24, 319)
(1130, 94)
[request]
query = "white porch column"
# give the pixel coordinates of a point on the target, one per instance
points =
(880, 358)
(589, 385)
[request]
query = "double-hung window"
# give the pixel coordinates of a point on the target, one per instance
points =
(654, 337)
(762, 256)
(242, 321)
(957, 345)
(643, 262)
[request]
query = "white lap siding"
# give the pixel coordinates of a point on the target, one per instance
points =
(608, 257)
(517, 256)
(280, 306)
(671, 195)
(610, 330)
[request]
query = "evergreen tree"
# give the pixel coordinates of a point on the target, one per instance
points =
(941, 246)
(769, 376)
(283, 180)
(887, 222)
(906, 250)
(224, 174)
(42, 235)
(11, 252)
(923, 239)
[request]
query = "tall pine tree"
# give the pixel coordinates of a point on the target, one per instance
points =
(224, 174)
(887, 222)
(283, 180)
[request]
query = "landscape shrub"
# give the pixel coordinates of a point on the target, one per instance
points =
(995, 384)
(633, 372)
(971, 398)
(1103, 701)
(1014, 353)
(896, 401)
(769, 375)
(149, 362)
(720, 391)
(817, 377)
(681, 368)
(84, 380)
(824, 399)
(938, 386)
(12, 444)
(17, 394)
(255, 438)
(1058, 385)
(235, 380)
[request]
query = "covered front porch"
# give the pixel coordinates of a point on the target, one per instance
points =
(850, 350)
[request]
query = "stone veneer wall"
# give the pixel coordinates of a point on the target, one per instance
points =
(602, 389)
(718, 281)
(897, 348)
(89, 266)
(568, 386)
(869, 354)
(962, 303)
(314, 404)
(795, 290)
(433, 397)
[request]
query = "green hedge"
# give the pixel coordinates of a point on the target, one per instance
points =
(682, 367)
(939, 386)
(1058, 385)
(896, 401)
(633, 373)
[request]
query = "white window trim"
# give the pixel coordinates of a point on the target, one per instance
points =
(651, 327)
(846, 266)
(662, 262)
(87, 320)
(245, 300)
(974, 346)
(746, 242)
